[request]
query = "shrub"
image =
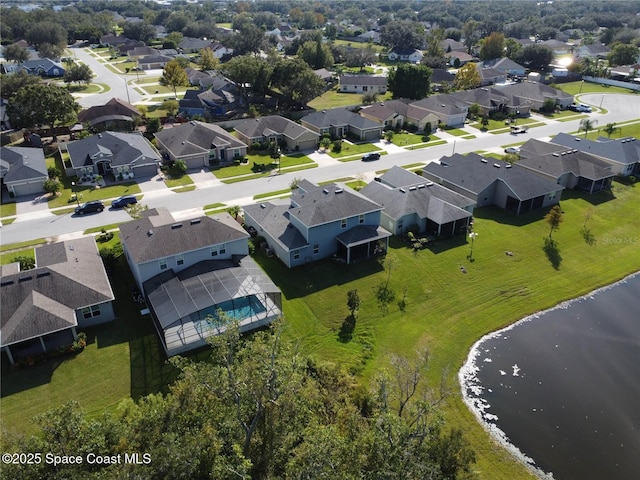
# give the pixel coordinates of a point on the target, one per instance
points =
(337, 146)
(26, 263)
(104, 237)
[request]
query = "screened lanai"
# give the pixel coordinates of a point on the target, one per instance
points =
(200, 301)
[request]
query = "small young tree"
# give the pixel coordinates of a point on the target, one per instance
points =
(587, 125)
(53, 172)
(52, 186)
(484, 122)
(388, 136)
(337, 146)
(353, 302)
(26, 263)
(325, 143)
(172, 107)
(610, 129)
(554, 219)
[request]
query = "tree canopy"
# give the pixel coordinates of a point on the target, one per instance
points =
(402, 34)
(409, 81)
(174, 76)
(492, 46)
(467, 77)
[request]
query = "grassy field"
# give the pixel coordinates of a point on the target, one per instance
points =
(267, 163)
(404, 139)
(446, 310)
(333, 99)
(86, 193)
(181, 181)
(7, 209)
(576, 88)
(624, 130)
(349, 149)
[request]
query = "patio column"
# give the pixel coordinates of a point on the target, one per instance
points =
(453, 228)
(42, 343)
(8, 351)
(73, 331)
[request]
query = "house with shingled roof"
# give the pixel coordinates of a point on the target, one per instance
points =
(363, 84)
(319, 222)
(342, 122)
(43, 307)
(115, 115)
(196, 276)
(493, 182)
(410, 202)
(200, 144)
(23, 170)
(274, 128)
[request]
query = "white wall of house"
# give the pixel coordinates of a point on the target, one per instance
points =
(95, 314)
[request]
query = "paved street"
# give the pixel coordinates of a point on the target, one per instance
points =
(35, 221)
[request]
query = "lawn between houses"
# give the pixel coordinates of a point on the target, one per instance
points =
(446, 310)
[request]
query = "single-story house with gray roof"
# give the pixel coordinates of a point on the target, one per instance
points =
(412, 55)
(122, 155)
(363, 84)
(115, 115)
(275, 128)
(42, 307)
(493, 182)
(341, 122)
(449, 110)
(191, 270)
(504, 65)
(570, 168)
(535, 93)
(410, 201)
(23, 170)
(44, 67)
(320, 222)
(200, 144)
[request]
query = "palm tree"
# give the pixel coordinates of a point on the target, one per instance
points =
(587, 124)
(609, 129)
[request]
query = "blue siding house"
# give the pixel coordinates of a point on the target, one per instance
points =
(320, 222)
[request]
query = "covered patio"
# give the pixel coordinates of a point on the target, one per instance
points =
(362, 242)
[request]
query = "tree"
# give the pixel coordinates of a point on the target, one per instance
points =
(474, 110)
(296, 81)
(174, 76)
(467, 77)
(47, 35)
(153, 126)
(535, 57)
(623, 54)
(369, 97)
(248, 40)
(609, 129)
(78, 73)
(208, 61)
(484, 121)
(492, 46)
(135, 210)
(10, 84)
(471, 34)
(434, 39)
(52, 186)
(512, 48)
(554, 219)
(353, 302)
(360, 57)
(409, 81)
(548, 106)
(53, 172)
(587, 125)
(171, 106)
(251, 74)
(402, 34)
(138, 31)
(316, 55)
(43, 104)
(26, 263)
(325, 143)
(388, 135)
(15, 53)
(336, 146)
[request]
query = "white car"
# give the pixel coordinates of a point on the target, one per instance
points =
(515, 150)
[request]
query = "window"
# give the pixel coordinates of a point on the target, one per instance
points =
(163, 264)
(296, 254)
(361, 219)
(90, 312)
(343, 223)
(214, 252)
(222, 249)
(365, 88)
(552, 195)
(179, 259)
(400, 224)
(316, 249)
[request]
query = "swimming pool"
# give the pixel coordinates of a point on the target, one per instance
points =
(236, 309)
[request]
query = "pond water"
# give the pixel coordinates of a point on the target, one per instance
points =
(561, 388)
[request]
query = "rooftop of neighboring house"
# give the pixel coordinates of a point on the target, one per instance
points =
(113, 109)
(363, 80)
(623, 150)
(196, 137)
(269, 125)
(121, 148)
(21, 163)
(338, 117)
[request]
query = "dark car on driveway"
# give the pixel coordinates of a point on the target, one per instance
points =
(124, 201)
(369, 157)
(90, 207)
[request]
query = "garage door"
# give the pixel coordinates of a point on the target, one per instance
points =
(372, 135)
(308, 144)
(145, 171)
(33, 188)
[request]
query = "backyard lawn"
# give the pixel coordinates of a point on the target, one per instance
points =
(576, 88)
(333, 99)
(445, 309)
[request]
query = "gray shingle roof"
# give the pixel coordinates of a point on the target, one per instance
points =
(124, 148)
(623, 150)
(256, 127)
(113, 108)
(338, 117)
(443, 103)
(384, 110)
(363, 80)
(274, 218)
(532, 90)
(194, 137)
(69, 275)
(151, 238)
(474, 173)
(22, 163)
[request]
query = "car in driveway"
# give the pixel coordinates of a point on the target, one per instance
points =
(515, 150)
(124, 201)
(369, 157)
(90, 207)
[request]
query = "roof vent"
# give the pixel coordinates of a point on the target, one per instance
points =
(508, 166)
(563, 153)
(7, 283)
(497, 165)
(325, 191)
(555, 154)
(149, 232)
(176, 225)
(43, 274)
(574, 151)
(339, 190)
(483, 160)
(262, 205)
(429, 184)
(443, 105)
(25, 279)
(324, 111)
(195, 221)
(421, 185)
(577, 139)
(411, 189)
(403, 190)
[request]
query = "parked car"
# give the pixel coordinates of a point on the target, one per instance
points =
(368, 157)
(90, 207)
(518, 130)
(124, 201)
(582, 107)
(515, 150)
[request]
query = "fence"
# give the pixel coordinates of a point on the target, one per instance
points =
(613, 83)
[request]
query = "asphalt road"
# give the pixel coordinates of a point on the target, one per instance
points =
(620, 108)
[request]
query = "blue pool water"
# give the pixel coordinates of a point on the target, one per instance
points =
(237, 309)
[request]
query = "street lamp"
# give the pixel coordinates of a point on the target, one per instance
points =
(126, 84)
(472, 236)
(73, 188)
(581, 84)
(515, 120)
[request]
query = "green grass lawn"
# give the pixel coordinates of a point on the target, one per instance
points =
(445, 309)
(624, 130)
(576, 88)
(268, 165)
(458, 132)
(425, 145)
(333, 99)
(404, 139)
(350, 149)
(8, 209)
(6, 258)
(86, 193)
(181, 181)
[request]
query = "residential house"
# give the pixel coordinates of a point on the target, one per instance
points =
(623, 154)
(558, 47)
(200, 144)
(217, 97)
(369, 36)
(154, 62)
(193, 45)
(440, 78)
(447, 108)
(493, 182)
(410, 202)
(110, 40)
(491, 76)
(275, 128)
(115, 115)
(42, 307)
(325, 75)
(340, 123)
(625, 72)
(490, 99)
(123, 156)
(567, 167)
(320, 222)
(389, 114)
(23, 170)
(363, 84)
(196, 276)
(450, 45)
(128, 45)
(406, 55)
(458, 58)
(504, 65)
(595, 51)
(44, 67)
(535, 94)
(139, 52)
